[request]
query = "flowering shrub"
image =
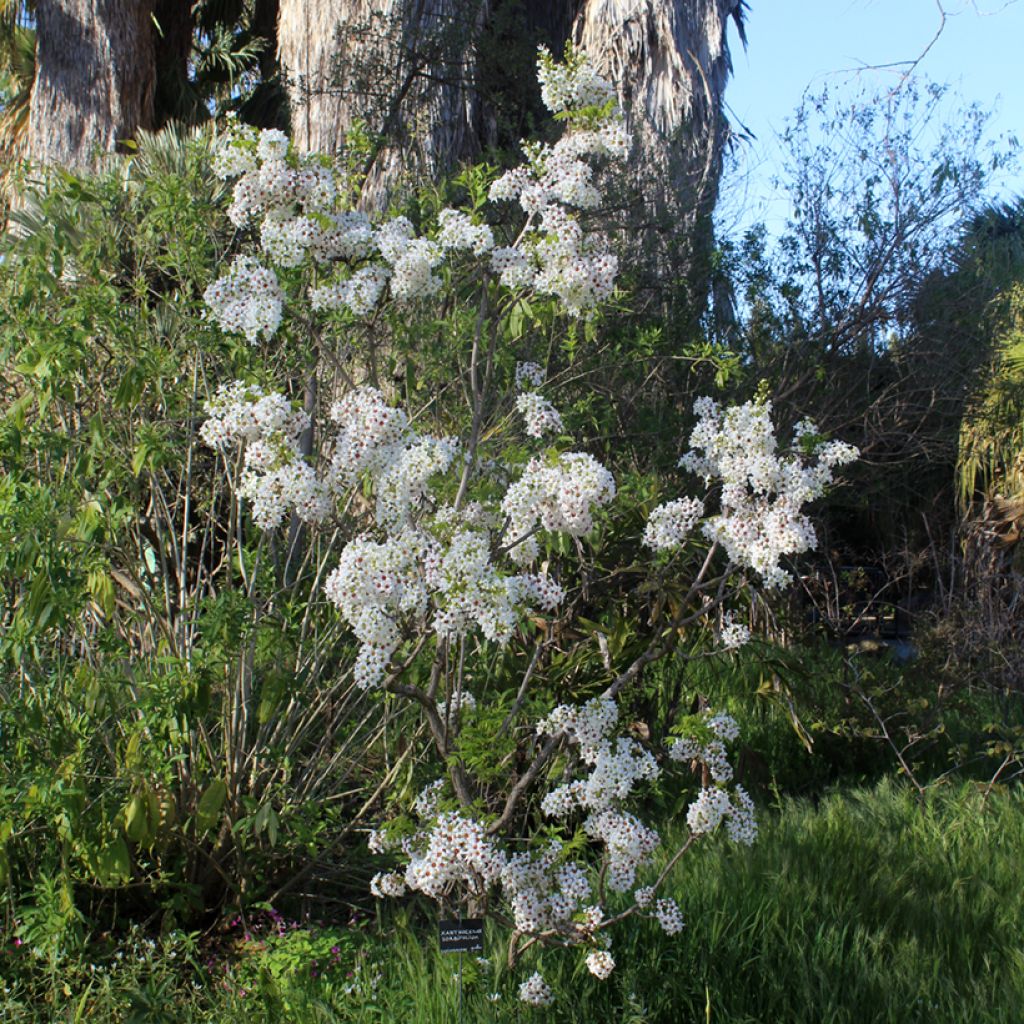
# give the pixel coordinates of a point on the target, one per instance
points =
(449, 540)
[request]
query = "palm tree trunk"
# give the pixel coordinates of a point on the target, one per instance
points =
(670, 61)
(404, 67)
(95, 78)
(409, 68)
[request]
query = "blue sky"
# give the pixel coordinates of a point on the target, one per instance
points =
(795, 45)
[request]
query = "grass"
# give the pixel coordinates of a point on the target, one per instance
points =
(864, 908)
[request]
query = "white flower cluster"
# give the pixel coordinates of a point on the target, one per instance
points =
(374, 586)
(370, 434)
(275, 477)
(462, 701)
(721, 726)
(670, 524)
(763, 491)
(377, 586)
(247, 300)
(600, 964)
(572, 85)
(529, 375)
(360, 293)
(240, 413)
(457, 231)
(556, 257)
(733, 634)
(412, 260)
(588, 724)
(470, 590)
(629, 844)
(298, 202)
(724, 726)
(643, 897)
(456, 851)
(387, 883)
(540, 415)
(375, 439)
(544, 893)
(616, 766)
(714, 803)
(669, 916)
(269, 183)
(535, 991)
(429, 798)
(559, 495)
(548, 892)
(452, 851)
(741, 824)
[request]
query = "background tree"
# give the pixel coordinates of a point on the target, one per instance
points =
(433, 74)
(82, 77)
(95, 78)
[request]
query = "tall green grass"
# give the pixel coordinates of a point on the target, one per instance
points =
(865, 908)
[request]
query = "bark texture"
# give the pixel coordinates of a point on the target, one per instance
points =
(670, 62)
(95, 78)
(405, 67)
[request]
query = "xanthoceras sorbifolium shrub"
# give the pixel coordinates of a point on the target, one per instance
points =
(454, 545)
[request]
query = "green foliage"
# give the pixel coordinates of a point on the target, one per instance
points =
(138, 680)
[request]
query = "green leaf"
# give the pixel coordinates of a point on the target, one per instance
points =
(210, 805)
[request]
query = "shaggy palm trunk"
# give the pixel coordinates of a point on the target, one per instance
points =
(95, 78)
(670, 62)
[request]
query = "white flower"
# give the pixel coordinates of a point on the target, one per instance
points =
(644, 896)
(559, 496)
(685, 749)
(535, 991)
(540, 415)
(707, 811)
(387, 884)
(529, 375)
(425, 805)
(457, 231)
(724, 726)
(514, 267)
(359, 293)
(740, 823)
(273, 144)
(571, 86)
(247, 300)
(285, 240)
(761, 518)
(669, 916)
(455, 851)
(670, 524)
(233, 156)
(600, 964)
(462, 701)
